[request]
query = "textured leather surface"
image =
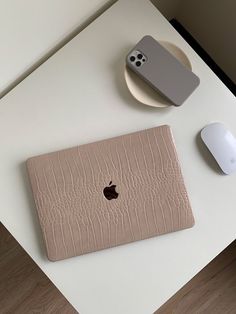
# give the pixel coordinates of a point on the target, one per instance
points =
(74, 214)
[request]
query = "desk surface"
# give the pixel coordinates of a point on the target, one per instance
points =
(79, 96)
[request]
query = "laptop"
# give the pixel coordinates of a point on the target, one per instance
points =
(112, 192)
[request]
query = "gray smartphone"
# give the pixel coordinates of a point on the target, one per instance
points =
(161, 70)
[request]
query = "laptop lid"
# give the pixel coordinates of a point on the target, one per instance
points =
(109, 193)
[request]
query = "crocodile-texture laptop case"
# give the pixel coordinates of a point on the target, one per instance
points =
(109, 193)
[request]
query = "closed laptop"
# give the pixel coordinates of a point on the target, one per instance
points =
(103, 194)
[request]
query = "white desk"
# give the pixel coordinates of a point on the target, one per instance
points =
(31, 29)
(79, 96)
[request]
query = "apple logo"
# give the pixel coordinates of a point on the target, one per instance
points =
(110, 191)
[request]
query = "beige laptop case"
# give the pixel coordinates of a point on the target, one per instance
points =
(108, 193)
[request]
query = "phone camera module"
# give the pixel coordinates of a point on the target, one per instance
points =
(140, 56)
(132, 58)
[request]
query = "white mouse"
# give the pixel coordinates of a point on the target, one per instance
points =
(222, 144)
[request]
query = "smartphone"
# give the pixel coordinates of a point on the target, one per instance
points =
(162, 71)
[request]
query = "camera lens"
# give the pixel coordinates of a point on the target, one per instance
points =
(139, 56)
(138, 63)
(132, 58)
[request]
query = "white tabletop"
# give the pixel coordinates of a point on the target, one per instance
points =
(79, 96)
(30, 29)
